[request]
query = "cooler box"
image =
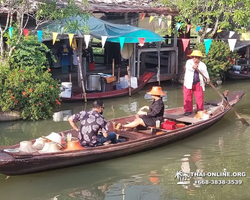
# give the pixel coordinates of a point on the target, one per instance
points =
(66, 89)
(168, 125)
(106, 86)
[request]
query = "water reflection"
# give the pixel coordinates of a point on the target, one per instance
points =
(62, 115)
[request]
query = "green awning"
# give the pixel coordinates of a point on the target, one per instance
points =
(99, 28)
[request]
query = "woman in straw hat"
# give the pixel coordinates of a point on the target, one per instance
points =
(155, 110)
(194, 83)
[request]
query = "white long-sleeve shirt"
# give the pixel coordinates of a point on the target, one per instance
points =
(189, 74)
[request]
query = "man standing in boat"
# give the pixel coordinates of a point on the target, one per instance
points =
(91, 123)
(194, 83)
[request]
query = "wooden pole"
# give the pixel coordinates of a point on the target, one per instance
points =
(80, 70)
(113, 67)
(129, 81)
(159, 63)
(69, 77)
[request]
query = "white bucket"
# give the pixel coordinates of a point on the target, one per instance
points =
(66, 89)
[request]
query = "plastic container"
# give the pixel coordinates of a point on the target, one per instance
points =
(92, 66)
(157, 123)
(237, 67)
(134, 82)
(66, 89)
(124, 82)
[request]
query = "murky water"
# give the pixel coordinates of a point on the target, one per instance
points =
(148, 175)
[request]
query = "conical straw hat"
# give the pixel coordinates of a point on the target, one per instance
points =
(127, 50)
(26, 146)
(50, 147)
(196, 53)
(55, 137)
(39, 143)
(156, 90)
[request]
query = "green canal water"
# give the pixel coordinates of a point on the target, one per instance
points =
(150, 175)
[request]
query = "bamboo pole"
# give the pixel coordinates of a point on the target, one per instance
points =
(129, 81)
(80, 70)
(113, 67)
(69, 77)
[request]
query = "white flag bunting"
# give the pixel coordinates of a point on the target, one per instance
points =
(232, 43)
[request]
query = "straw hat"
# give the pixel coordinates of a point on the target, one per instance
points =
(26, 146)
(73, 145)
(156, 90)
(127, 50)
(50, 147)
(39, 143)
(55, 137)
(196, 53)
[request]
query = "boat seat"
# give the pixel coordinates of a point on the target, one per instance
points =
(181, 118)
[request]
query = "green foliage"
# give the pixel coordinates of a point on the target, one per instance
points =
(222, 14)
(219, 58)
(32, 91)
(28, 52)
(50, 10)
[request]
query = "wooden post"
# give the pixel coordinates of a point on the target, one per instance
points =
(159, 63)
(247, 54)
(113, 67)
(129, 81)
(69, 77)
(80, 70)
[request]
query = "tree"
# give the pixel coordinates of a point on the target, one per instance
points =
(26, 84)
(19, 13)
(214, 14)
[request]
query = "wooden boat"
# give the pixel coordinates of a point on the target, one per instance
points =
(142, 81)
(237, 76)
(14, 162)
(238, 72)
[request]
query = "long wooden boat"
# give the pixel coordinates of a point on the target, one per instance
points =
(142, 81)
(14, 163)
(237, 76)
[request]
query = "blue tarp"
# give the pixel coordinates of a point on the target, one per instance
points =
(99, 28)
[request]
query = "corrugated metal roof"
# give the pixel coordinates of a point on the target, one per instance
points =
(106, 6)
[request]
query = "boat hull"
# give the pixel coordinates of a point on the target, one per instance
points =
(230, 74)
(138, 141)
(143, 80)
